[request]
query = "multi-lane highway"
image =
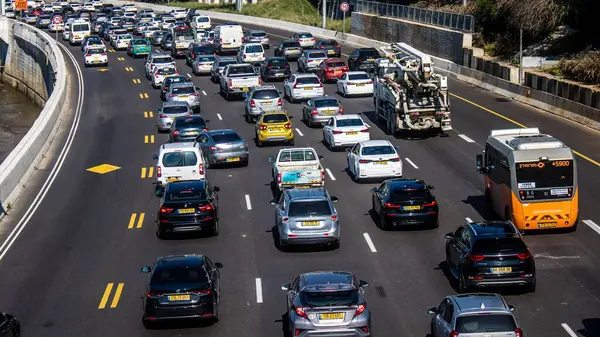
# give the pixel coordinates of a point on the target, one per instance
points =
(75, 268)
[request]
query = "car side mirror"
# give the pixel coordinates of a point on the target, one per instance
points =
(198, 88)
(449, 236)
(273, 202)
(320, 156)
(374, 190)
(431, 187)
(363, 283)
(146, 269)
(304, 104)
(281, 93)
(218, 265)
(286, 286)
(511, 307)
(155, 156)
(347, 150)
(291, 117)
(216, 188)
(432, 310)
(479, 161)
(335, 199)
(271, 159)
(207, 121)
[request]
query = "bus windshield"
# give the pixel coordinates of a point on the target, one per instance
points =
(544, 174)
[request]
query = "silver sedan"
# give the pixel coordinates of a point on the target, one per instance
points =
(223, 147)
(168, 111)
(319, 110)
(311, 60)
(203, 64)
(184, 92)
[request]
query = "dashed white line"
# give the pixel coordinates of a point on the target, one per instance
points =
(330, 174)
(411, 163)
(248, 203)
(188, 75)
(469, 220)
(203, 92)
(299, 132)
(592, 225)
(219, 116)
(259, 294)
(370, 242)
(568, 330)
(467, 139)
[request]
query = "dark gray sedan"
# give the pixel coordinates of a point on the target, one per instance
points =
(187, 129)
(318, 110)
(290, 49)
(223, 147)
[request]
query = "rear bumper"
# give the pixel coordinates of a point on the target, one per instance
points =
(220, 158)
(275, 137)
(411, 219)
(316, 119)
(332, 76)
(202, 311)
(395, 171)
(334, 333)
(305, 94)
(501, 282)
(197, 224)
(345, 140)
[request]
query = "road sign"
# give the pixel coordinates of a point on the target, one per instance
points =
(21, 5)
(344, 7)
(57, 19)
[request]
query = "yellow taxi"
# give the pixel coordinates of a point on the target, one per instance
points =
(274, 126)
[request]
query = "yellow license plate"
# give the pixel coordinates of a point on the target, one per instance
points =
(226, 44)
(267, 102)
(184, 96)
(360, 84)
(546, 224)
(331, 52)
(333, 315)
(233, 159)
(329, 112)
(187, 210)
(308, 88)
(179, 297)
(371, 59)
(500, 270)
(381, 162)
(352, 133)
(191, 133)
(310, 223)
(172, 179)
(411, 208)
(245, 89)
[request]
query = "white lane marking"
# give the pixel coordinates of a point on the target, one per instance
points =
(248, 203)
(330, 174)
(259, 295)
(467, 139)
(203, 92)
(370, 242)
(592, 225)
(469, 220)
(188, 75)
(411, 163)
(299, 132)
(544, 255)
(219, 116)
(568, 330)
(37, 201)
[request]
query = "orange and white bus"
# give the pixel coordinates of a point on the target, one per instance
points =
(530, 179)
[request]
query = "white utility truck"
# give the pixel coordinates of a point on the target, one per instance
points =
(298, 167)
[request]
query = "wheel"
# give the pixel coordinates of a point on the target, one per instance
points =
(215, 229)
(215, 312)
(282, 245)
(247, 118)
(147, 324)
(259, 143)
(336, 245)
(488, 195)
(462, 284)
(531, 288)
(160, 233)
(291, 142)
(383, 223)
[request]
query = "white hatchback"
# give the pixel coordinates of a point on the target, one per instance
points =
(95, 56)
(178, 161)
(251, 53)
(345, 130)
(374, 159)
(355, 83)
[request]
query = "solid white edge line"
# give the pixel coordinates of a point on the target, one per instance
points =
(204, 92)
(299, 132)
(248, 203)
(592, 225)
(188, 75)
(469, 220)
(370, 242)
(259, 291)
(411, 163)
(219, 116)
(467, 139)
(14, 234)
(568, 330)
(329, 174)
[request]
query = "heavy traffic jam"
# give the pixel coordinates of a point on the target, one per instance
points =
(529, 178)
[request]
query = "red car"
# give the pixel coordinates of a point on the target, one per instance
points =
(331, 69)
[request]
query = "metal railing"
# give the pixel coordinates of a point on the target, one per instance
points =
(437, 18)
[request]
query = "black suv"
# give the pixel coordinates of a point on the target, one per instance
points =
(363, 59)
(489, 254)
(275, 68)
(406, 202)
(9, 326)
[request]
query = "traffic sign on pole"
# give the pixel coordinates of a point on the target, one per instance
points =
(57, 19)
(20, 5)
(344, 7)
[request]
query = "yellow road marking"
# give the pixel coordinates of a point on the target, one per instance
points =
(149, 170)
(115, 300)
(140, 220)
(146, 96)
(105, 296)
(103, 168)
(121, 58)
(111, 50)
(149, 139)
(137, 80)
(128, 69)
(148, 114)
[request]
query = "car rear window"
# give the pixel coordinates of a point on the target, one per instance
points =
(275, 118)
(278, 62)
(226, 137)
(177, 79)
(496, 245)
(175, 109)
(292, 44)
(177, 159)
(166, 71)
(485, 323)
(205, 59)
(375, 150)
(190, 122)
(318, 55)
(254, 49)
(207, 48)
(247, 69)
(139, 42)
(336, 64)
(308, 208)
(265, 94)
(202, 19)
(179, 275)
(329, 43)
(322, 103)
(308, 80)
(350, 122)
(183, 91)
(259, 34)
(162, 60)
(304, 35)
(405, 195)
(326, 299)
(297, 155)
(370, 53)
(95, 51)
(355, 77)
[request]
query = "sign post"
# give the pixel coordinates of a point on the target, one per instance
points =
(57, 20)
(344, 7)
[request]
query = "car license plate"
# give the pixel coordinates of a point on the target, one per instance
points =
(267, 102)
(193, 133)
(308, 88)
(274, 129)
(360, 84)
(245, 89)
(329, 112)
(233, 159)
(310, 223)
(370, 59)
(381, 162)
(172, 179)
(179, 297)
(501, 270)
(332, 315)
(546, 224)
(187, 210)
(331, 52)
(226, 44)
(352, 133)
(184, 96)
(411, 208)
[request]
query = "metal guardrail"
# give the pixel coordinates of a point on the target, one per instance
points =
(437, 18)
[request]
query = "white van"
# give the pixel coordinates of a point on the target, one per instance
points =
(201, 22)
(179, 161)
(79, 30)
(228, 38)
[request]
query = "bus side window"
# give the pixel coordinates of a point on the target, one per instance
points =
(498, 163)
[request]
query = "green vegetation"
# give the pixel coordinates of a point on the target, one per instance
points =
(584, 67)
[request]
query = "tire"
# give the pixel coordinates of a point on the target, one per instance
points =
(259, 143)
(336, 245)
(147, 324)
(291, 142)
(282, 245)
(462, 285)
(215, 230)
(531, 288)
(161, 234)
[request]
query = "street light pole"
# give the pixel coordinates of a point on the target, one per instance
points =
(521, 56)
(3, 10)
(324, 12)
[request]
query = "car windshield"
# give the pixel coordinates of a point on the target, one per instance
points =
(179, 275)
(350, 122)
(308, 80)
(326, 103)
(182, 192)
(326, 299)
(292, 44)
(182, 158)
(309, 208)
(190, 122)
(297, 155)
(377, 150)
(95, 51)
(226, 137)
(405, 195)
(140, 42)
(318, 55)
(254, 49)
(329, 43)
(162, 60)
(475, 324)
(554, 173)
(183, 91)
(499, 245)
(80, 27)
(175, 109)
(166, 71)
(266, 94)
(245, 69)
(355, 77)
(336, 64)
(275, 118)
(206, 59)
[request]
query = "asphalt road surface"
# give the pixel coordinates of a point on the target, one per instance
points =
(87, 232)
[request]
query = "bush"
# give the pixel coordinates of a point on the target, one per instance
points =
(585, 67)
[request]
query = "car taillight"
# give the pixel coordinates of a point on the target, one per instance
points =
(350, 83)
(334, 218)
(195, 93)
(288, 126)
(453, 334)
(475, 257)
(245, 57)
(220, 40)
(162, 116)
(172, 95)
(524, 256)
(346, 69)
(88, 54)
(153, 294)
(259, 81)
(201, 291)
(370, 82)
(156, 74)
(270, 67)
(201, 169)
(103, 54)
(360, 309)
(204, 129)
(337, 132)
(166, 209)
(330, 70)
(214, 148)
(193, 55)
(364, 161)
(341, 110)
(230, 83)
(395, 159)
(279, 180)
(300, 312)
(430, 204)
(313, 39)
(323, 176)
(518, 332)
(175, 133)
(315, 111)
(299, 40)
(390, 205)
(159, 171)
(279, 102)
(323, 47)
(364, 130)
(208, 207)
(337, 46)
(263, 127)
(295, 86)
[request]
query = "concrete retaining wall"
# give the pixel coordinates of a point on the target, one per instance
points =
(32, 61)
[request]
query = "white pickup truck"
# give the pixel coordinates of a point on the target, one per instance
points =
(238, 79)
(297, 167)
